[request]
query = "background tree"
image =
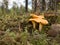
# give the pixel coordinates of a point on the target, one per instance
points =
(34, 5)
(37, 5)
(5, 3)
(26, 5)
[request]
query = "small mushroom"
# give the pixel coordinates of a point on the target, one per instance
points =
(38, 19)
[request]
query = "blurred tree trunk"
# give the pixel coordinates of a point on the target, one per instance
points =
(5, 5)
(53, 4)
(47, 4)
(33, 6)
(26, 5)
(2, 8)
(37, 5)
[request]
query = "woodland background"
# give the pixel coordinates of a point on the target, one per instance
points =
(15, 28)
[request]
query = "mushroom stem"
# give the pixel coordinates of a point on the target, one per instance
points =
(40, 26)
(33, 24)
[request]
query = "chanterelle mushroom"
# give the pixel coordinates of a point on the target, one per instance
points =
(35, 16)
(38, 19)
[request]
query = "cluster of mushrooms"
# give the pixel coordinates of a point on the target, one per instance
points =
(38, 19)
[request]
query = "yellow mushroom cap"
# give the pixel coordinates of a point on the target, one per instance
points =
(44, 22)
(35, 16)
(39, 20)
(41, 16)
